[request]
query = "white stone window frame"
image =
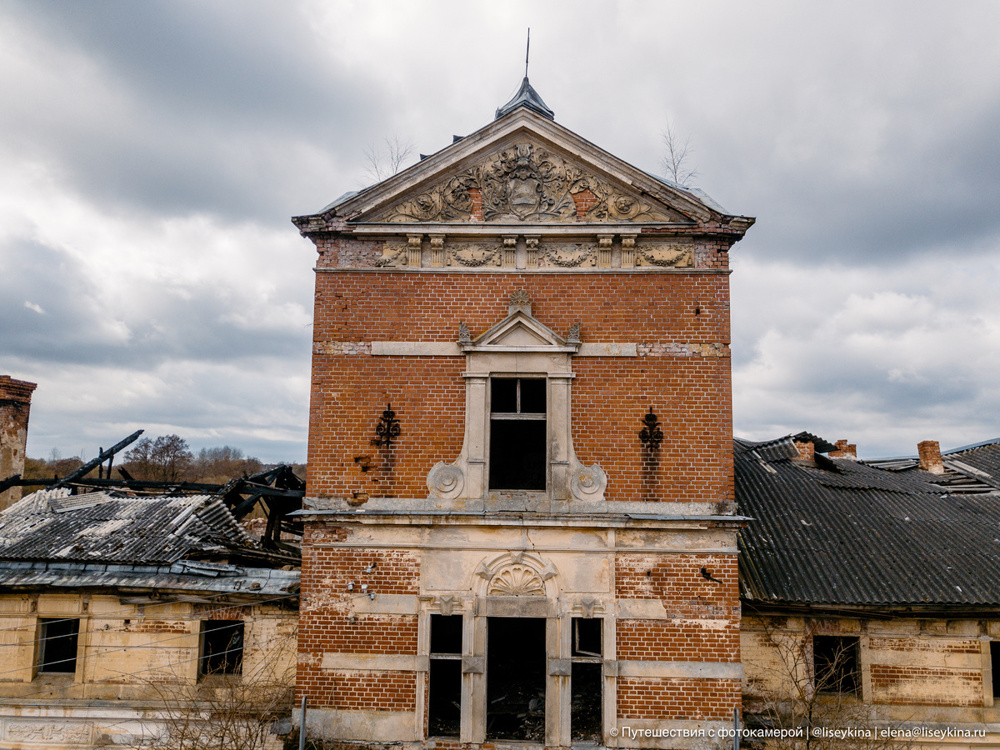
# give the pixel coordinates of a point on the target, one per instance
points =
(519, 346)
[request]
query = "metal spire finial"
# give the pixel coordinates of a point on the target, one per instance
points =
(527, 49)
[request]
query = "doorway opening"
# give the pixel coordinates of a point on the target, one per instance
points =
(515, 679)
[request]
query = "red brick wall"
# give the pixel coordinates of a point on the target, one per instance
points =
(683, 700)
(357, 691)
(329, 624)
(669, 640)
(679, 320)
(678, 582)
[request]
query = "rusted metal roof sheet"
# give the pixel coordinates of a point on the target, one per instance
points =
(840, 532)
(52, 525)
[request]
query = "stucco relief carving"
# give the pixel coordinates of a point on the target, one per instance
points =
(664, 254)
(516, 580)
(474, 254)
(589, 483)
(63, 733)
(567, 254)
(516, 573)
(393, 254)
(526, 182)
(445, 481)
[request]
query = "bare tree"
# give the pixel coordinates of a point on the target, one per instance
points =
(226, 711)
(166, 459)
(795, 683)
(676, 164)
(387, 159)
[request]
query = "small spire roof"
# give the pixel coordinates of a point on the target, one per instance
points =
(526, 96)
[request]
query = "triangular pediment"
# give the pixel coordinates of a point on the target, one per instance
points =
(525, 180)
(520, 331)
(522, 169)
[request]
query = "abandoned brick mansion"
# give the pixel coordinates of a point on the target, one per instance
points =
(521, 523)
(527, 522)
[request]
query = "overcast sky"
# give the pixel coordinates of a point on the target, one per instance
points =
(151, 154)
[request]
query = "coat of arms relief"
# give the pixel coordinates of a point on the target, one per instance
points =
(526, 183)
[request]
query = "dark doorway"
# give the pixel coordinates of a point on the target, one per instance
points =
(515, 679)
(517, 434)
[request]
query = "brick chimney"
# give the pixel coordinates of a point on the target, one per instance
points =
(15, 400)
(930, 456)
(807, 450)
(844, 450)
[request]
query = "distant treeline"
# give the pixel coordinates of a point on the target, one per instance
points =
(167, 458)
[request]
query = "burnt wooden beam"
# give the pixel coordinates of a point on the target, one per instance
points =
(101, 458)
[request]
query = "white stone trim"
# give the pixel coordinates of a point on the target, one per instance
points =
(375, 662)
(449, 349)
(695, 670)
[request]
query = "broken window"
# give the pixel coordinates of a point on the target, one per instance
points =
(586, 709)
(445, 689)
(57, 641)
(221, 647)
(517, 433)
(515, 679)
(835, 664)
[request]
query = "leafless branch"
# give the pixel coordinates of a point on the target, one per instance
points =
(387, 159)
(676, 158)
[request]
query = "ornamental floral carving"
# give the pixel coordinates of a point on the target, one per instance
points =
(474, 255)
(516, 580)
(664, 254)
(567, 255)
(526, 182)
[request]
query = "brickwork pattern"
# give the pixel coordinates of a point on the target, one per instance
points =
(681, 322)
(677, 581)
(890, 684)
(672, 640)
(335, 632)
(331, 569)
(355, 691)
(677, 699)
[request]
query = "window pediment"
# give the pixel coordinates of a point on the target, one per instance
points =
(519, 346)
(520, 331)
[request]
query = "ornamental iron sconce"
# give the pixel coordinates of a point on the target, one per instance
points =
(651, 435)
(387, 428)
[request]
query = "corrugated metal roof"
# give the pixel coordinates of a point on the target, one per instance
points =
(841, 532)
(52, 525)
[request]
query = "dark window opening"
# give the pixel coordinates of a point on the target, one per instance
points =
(446, 634)
(995, 663)
(444, 709)
(517, 433)
(587, 705)
(221, 647)
(57, 645)
(586, 711)
(835, 661)
(515, 679)
(587, 636)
